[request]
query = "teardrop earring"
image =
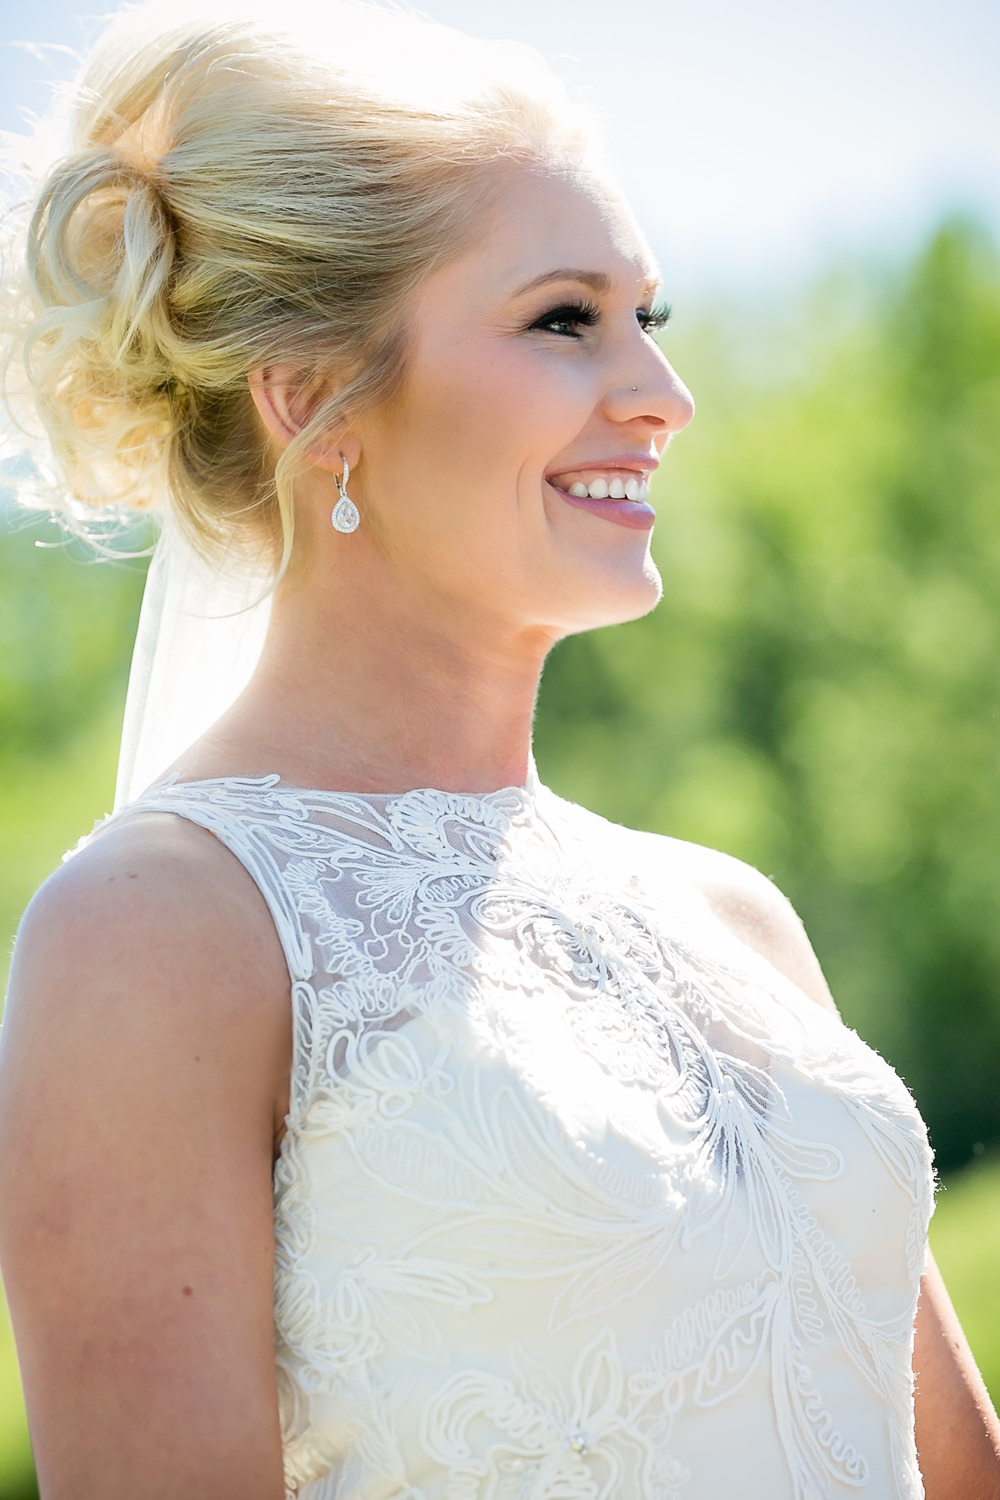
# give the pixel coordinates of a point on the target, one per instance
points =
(345, 515)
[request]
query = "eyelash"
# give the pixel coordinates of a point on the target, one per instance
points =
(586, 315)
(656, 318)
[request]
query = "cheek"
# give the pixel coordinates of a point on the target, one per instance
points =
(488, 415)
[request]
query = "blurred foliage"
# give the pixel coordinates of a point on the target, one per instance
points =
(65, 643)
(818, 692)
(965, 1238)
(16, 1477)
(66, 628)
(57, 767)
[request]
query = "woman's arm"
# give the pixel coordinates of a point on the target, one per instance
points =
(958, 1435)
(146, 1048)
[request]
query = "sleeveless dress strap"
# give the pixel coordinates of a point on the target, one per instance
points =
(244, 841)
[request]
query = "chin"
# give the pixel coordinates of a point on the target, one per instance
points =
(616, 599)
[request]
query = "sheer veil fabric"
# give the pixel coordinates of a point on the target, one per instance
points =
(200, 634)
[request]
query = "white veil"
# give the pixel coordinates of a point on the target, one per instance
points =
(200, 634)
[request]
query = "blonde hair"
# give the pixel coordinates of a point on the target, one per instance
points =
(230, 200)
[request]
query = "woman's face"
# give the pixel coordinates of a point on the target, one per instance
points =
(507, 479)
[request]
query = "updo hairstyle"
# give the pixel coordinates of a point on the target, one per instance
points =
(231, 200)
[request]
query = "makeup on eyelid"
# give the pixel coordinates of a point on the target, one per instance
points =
(587, 314)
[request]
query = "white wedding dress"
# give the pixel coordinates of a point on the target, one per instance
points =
(579, 1199)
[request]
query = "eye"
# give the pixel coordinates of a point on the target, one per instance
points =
(652, 319)
(568, 319)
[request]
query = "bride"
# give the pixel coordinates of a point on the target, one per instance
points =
(374, 1123)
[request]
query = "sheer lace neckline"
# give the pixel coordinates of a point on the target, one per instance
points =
(509, 798)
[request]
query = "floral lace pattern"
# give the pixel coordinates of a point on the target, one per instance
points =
(578, 1198)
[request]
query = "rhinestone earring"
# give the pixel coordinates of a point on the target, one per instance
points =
(345, 515)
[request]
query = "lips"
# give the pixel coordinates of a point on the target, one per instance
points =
(615, 492)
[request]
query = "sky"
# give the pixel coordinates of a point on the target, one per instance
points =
(759, 141)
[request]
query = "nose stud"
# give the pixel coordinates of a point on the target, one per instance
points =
(635, 387)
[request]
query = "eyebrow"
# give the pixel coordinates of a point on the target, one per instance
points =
(597, 281)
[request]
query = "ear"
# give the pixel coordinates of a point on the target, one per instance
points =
(286, 403)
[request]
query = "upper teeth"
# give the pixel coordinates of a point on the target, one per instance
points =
(632, 488)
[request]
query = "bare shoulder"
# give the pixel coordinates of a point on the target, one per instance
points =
(143, 1076)
(152, 928)
(151, 888)
(155, 864)
(756, 912)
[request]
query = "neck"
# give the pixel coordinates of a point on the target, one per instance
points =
(339, 701)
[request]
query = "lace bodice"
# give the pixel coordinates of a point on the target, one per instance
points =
(578, 1199)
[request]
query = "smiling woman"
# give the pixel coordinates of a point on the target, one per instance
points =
(374, 1124)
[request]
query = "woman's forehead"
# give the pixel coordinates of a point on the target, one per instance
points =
(546, 226)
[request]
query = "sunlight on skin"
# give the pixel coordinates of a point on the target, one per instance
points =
(469, 563)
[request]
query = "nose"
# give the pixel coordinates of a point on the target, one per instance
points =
(655, 395)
